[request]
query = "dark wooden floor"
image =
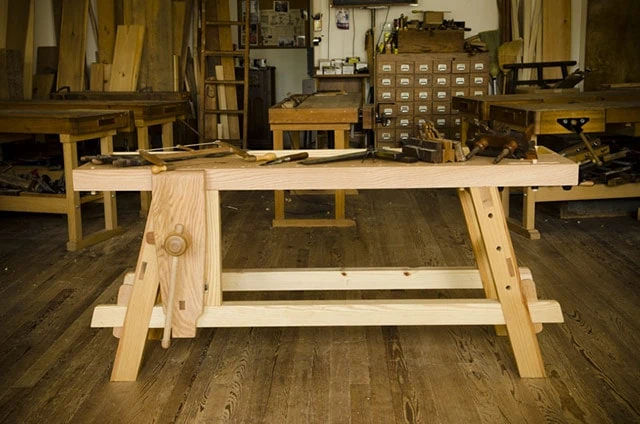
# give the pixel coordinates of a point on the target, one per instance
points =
(54, 368)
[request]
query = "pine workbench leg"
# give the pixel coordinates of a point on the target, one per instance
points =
(213, 258)
(109, 197)
(278, 144)
(340, 142)
(167, 134)
(74, 214)
(479, 251)
(529, 213)
(143, 143)
(504, 269)
(136, 321)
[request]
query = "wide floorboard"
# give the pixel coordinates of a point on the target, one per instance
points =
(54, 368)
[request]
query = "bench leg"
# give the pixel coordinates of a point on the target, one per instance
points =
(213, 258)
(140, 306)
(167, 134)
(340, 142)
(144, 144)
(74, 214)
(479, 251)
(109, 197)
(278, 144)
(504, 270)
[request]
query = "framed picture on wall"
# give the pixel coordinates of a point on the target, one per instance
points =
(277, 23)
(281, 6)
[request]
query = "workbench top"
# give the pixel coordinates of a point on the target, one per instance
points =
(479, 106)
(142, 109)
(319, 109)
(232, 173)
(72, 121)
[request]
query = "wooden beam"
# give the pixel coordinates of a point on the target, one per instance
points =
(126, 59)
(106, 30)
(354, 279)
(343, 312)
(73, 41)
(156, 66)
(556, 34)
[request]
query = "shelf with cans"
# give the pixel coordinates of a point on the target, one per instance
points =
(415, 87)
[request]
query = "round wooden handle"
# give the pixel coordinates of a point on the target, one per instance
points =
(176, 243)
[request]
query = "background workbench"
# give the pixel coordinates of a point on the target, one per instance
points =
(73, 126)
(145, 114)
(321, 113)
(608, 110)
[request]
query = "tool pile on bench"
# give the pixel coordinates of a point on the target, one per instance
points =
(164, 162)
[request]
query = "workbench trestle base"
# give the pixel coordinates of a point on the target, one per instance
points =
(198, 282)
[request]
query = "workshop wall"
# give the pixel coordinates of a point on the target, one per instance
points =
(480, 15)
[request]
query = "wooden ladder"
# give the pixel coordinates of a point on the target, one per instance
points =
(219, 112)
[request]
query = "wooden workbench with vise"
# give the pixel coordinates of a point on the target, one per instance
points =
(542, 113)
(181, 253)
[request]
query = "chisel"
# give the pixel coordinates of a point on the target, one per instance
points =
(288, 158)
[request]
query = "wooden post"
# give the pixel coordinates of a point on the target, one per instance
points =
(503, 266)
(479, 251)
(136, 321)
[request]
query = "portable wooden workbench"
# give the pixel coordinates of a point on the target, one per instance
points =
(185, 211)
(606, 110)
(73, 126)
(315, 113)
(146, 113)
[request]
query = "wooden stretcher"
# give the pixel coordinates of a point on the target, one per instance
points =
(73, 126)
(606, 110)
(316, 113)
(186, 205)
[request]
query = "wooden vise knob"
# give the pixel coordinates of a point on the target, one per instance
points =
(176, 243)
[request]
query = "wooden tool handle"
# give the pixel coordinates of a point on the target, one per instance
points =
(175, 245)
(259, 158)
(156, 169)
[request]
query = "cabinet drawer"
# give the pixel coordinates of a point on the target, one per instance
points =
(404, 122)
(404, 95)
(386, 135)
(478, 80)
(388, 81)
(423, 94)
(386, 66)
(404, 67)
(441, 94)
(478, 91)
(388, 110)
(442, 81)
(386, 95)
(441, 122)
(404, 109)
(403, 134)
(423, 80)
(460, 66)
(459, 91)
(441, 66)
(424, 66)
(422, 108)
(441, 108)
(403, 81)
(460, 80)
